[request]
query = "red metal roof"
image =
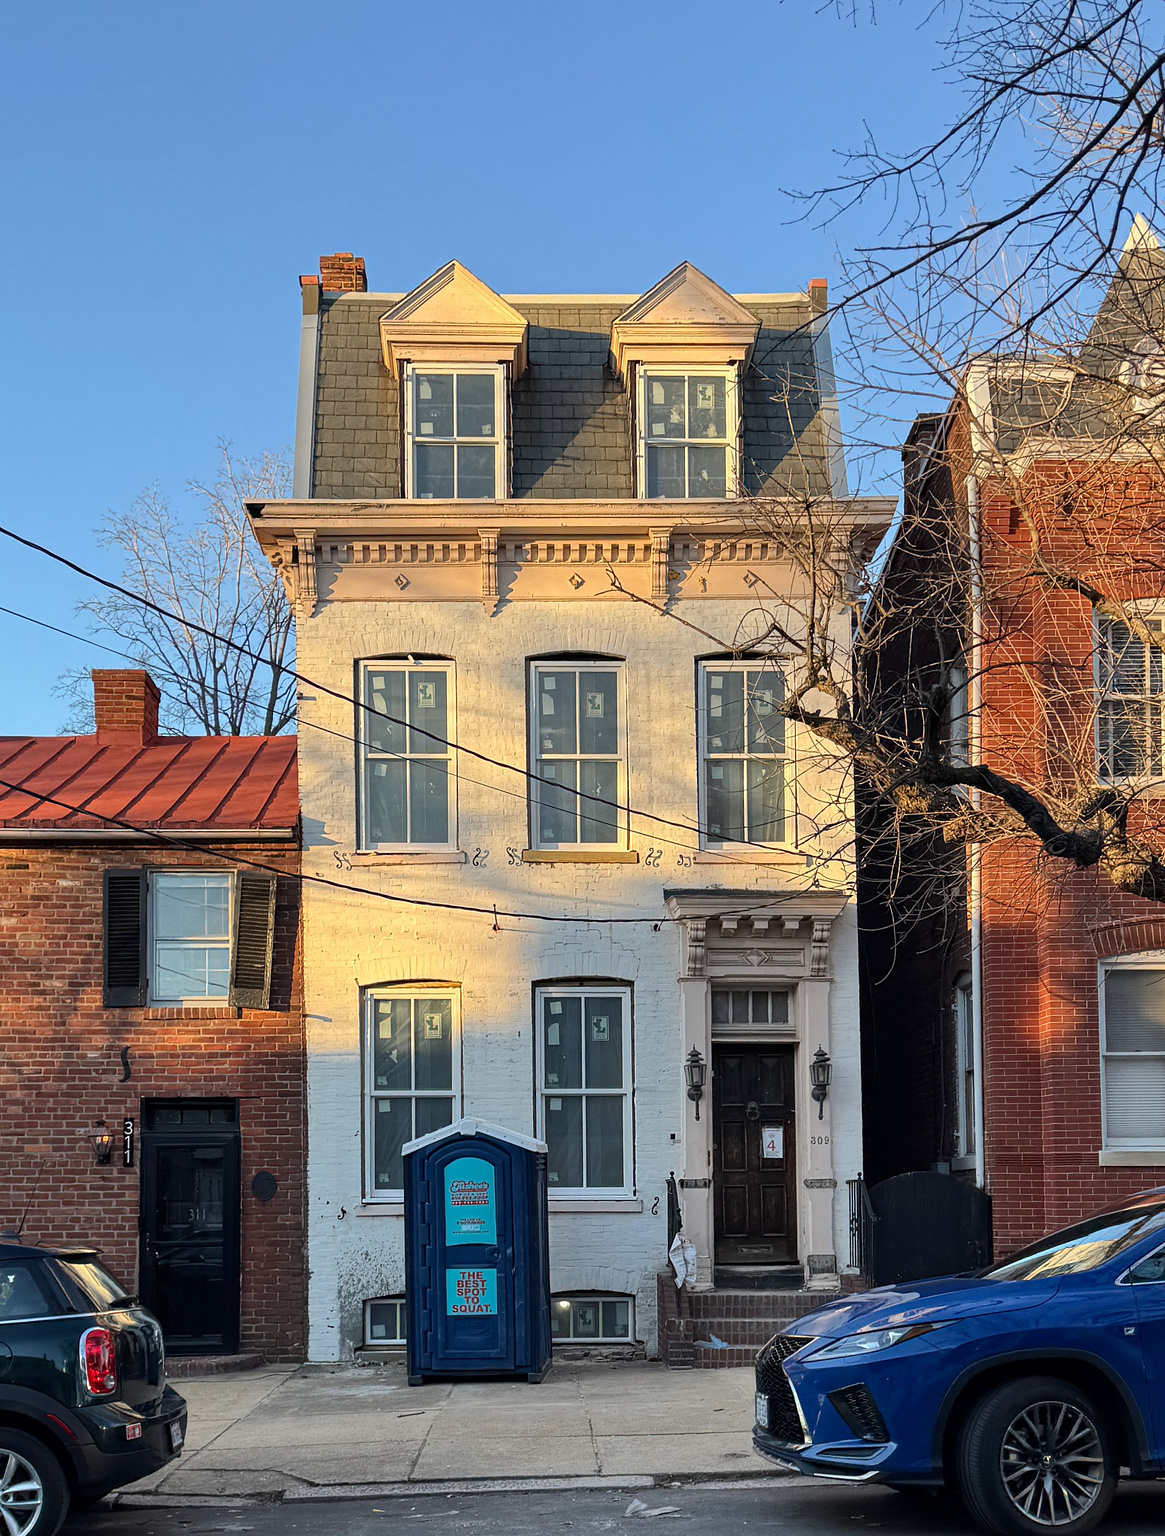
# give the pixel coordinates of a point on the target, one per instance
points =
(227, 783)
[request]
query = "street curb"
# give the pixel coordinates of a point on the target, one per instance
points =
(462, 1487)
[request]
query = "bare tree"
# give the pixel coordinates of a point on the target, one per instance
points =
(207, 573)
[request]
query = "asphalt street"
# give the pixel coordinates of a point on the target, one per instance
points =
(800, 1507)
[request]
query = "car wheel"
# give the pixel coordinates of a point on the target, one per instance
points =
(34, 1497)
(1036, 1455)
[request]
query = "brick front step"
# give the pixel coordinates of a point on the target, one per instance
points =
(740, 1320)
(179, 1367)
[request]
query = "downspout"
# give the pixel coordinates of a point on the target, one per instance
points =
(974, 745)
(305, 407)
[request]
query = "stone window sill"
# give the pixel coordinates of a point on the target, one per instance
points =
(559, 1205)
(746, 855)
(1132, 1157)
(598, 1206)
(579, 856)
(444, 856)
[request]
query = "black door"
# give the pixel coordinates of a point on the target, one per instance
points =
(753, 1157)
(190, 1222)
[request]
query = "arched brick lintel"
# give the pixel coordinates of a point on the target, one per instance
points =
(1128, 938)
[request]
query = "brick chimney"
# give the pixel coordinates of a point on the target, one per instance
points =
(125, 706)
(343, 273)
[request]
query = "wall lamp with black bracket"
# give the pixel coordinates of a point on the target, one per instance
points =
(101, 1140)
(820, 1075)
(696, 1072)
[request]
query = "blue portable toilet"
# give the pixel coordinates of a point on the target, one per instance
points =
(477, 1253)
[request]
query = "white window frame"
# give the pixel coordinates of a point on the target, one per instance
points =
(574, 664)
(541, 1092)
(1154, 613)
(499, 440)
(370, 1094)
(1148, 960)
(594, 1298)
(386, 1301)
(787, 758)
(156, 1000)
(367, 754)
(645, 372)
(966, 1087)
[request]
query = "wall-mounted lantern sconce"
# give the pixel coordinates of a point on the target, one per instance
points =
(820, 1075)
(101, 1140)
(696, 1072)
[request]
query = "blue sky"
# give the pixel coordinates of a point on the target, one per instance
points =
(170, 170)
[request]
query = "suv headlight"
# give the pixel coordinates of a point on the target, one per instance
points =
(877, 1339)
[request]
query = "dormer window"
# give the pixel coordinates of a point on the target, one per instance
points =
(453, 429)
(688, 434)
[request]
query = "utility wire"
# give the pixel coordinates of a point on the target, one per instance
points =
(358, 890)
(351, 740)
(345, 698)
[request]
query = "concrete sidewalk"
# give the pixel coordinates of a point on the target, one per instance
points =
(317, 1431)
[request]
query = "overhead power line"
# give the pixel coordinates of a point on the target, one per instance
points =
(347, 698)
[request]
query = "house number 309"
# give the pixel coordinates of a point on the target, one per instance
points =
(819, 1141)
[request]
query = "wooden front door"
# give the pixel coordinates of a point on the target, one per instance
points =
(754, 1155)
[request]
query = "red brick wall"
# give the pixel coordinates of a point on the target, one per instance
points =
(1043, 920)
(60, 1061)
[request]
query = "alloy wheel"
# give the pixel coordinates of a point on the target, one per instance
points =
(21, 1494)
(1052, 1463)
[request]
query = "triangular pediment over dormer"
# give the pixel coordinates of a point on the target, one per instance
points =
(453, 317)
(686, 318)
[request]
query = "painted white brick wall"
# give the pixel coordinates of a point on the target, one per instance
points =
(354, 940)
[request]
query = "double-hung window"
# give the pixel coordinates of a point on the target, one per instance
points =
(577, 754)
(454, 425)
(1133, 1045)
(688, 433)
(190, 932)
(743, 757)
(407, 800)
(412, 1076)
(584, 1088)
(965, 1089)
(1131, 681)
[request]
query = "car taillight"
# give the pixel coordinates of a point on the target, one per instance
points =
(98, 1361)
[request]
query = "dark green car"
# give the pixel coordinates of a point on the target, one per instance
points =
(84, 1405)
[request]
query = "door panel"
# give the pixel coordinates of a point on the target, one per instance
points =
(190, 1233)
(755, 1196)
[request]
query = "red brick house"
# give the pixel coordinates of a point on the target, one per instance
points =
(151, 1025)
(1014, 1030)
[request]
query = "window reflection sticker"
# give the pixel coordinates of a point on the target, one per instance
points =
(470, 1201)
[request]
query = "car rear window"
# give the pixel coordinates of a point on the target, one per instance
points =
(97, 1283)
(1086, 1246)
(26, 1291)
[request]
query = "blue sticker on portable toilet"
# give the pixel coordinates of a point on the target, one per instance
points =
(470, 1205)
(477, 1288)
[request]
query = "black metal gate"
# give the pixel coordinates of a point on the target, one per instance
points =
(918, 1225)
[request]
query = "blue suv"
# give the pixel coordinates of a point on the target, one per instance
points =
(1030, 1386)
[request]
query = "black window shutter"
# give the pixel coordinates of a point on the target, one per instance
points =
(254, 937)
(124, 938)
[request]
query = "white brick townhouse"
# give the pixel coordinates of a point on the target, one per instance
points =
(485, 485)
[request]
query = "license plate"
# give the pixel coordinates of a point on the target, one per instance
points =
(762, 1410)
(176, 1436)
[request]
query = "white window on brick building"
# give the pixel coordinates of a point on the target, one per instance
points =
(965, 1089)
(1132, 1025)
(412, 1071)
(405, 726)
(1131, 704)
(689, 433)
(190, 932)
(455, 433)
(743, 756)
(578, 751)
(584, 1088)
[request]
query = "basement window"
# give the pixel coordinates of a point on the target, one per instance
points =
(592, 1319)
(384, 1322)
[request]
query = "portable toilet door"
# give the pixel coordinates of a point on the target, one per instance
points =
(467, 1249)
